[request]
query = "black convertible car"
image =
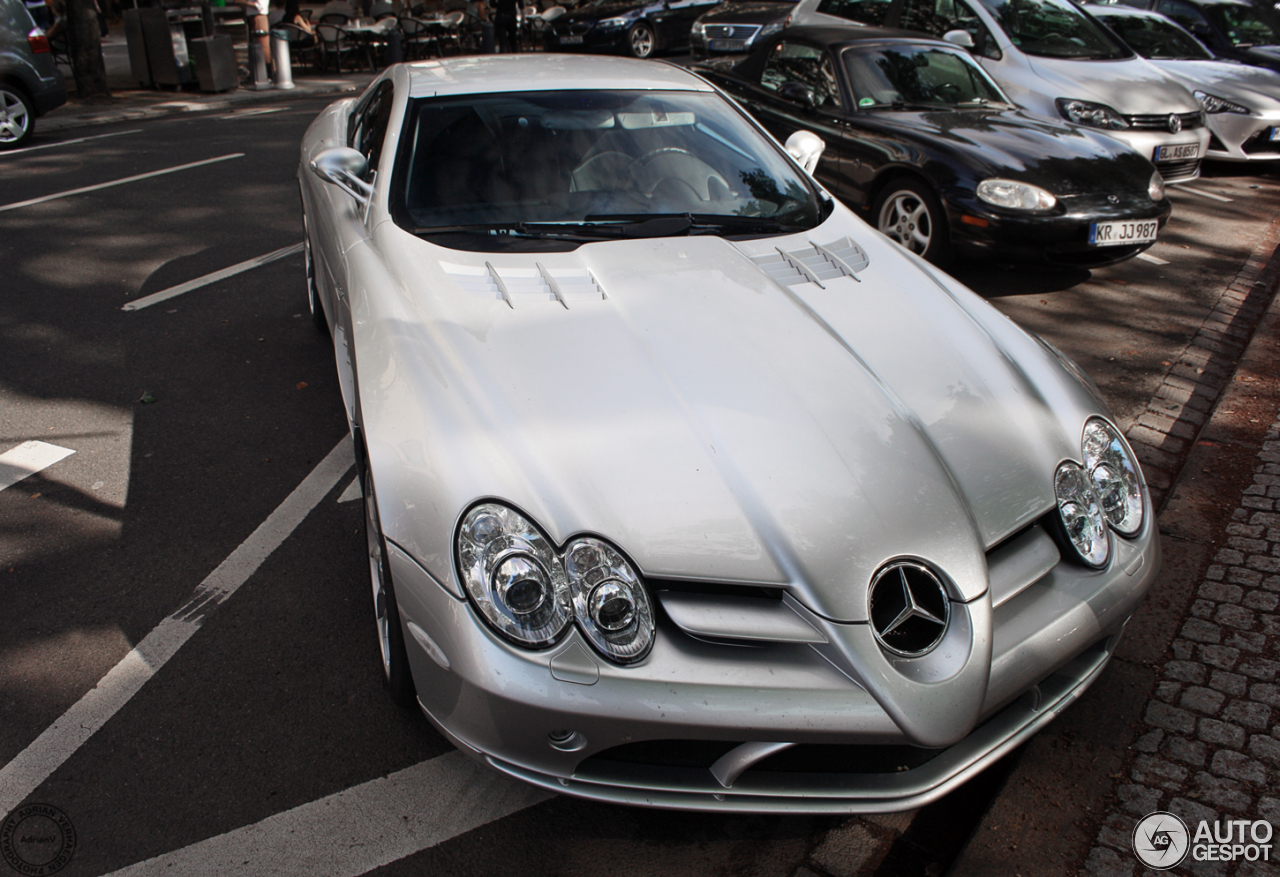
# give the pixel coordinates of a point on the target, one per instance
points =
(921, 140)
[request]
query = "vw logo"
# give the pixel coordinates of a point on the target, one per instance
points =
(1175, 123)
(909, 609)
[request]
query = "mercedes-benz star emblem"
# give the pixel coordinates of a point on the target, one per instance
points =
(1175, 123)
(909, 609)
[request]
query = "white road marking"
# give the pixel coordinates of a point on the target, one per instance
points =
(26, 459)
(1154, 260)
(156, 297)
(120, 182)
(1203, 194)
(33, 765)
(256, 111)
(69, 142)
(352, 493)
(359, 829)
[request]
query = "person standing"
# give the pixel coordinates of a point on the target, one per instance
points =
(506, 20)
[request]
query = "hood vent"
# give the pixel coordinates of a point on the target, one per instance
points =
(525, 286)
(817, 263)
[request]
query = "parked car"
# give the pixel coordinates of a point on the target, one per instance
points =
(1055, 60)
(928, 148)
(1241, 102)
(684, 487)
(737, 26)
(640, 29)
(30, 82)
(1230, 28)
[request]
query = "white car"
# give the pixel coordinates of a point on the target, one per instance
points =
(1240, 101)
(1053, 59)
(683, 486)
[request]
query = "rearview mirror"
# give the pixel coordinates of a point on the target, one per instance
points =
(961, 38)
(345, 168)
(806, 148)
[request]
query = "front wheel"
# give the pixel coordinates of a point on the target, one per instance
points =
(908, 212)
(313, 294)
(17, 118)
(642, 42)
(386, 615)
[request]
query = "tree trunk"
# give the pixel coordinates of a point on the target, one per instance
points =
(86, 49)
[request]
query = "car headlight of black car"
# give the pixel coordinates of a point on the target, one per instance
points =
(530, 592)
(1102, 495)
(1083, 112)
(1155, 188)
(1211, 103)
(611, 23)
(1014, 195)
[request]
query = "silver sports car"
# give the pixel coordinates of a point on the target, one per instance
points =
(684, 486)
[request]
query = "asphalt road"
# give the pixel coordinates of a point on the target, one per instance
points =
(263, 735)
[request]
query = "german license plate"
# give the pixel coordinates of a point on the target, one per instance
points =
(1116, 234)
(1177, 152)
(570, 40)
(727, 45)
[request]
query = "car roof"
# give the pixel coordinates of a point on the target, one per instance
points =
(493, 74)
(850, 34)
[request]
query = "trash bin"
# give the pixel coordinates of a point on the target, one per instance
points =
(215, 61)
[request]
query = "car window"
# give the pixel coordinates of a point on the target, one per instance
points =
(589, 156)
(1157, 38)
(864, 11)
(914, 76)
(368, 125)
(937, 17)
(1244, 26)
(1183, 13)
(1054, 29)
(807, 65)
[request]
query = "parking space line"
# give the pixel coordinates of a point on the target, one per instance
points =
(13, 152)
(1203, 194)
(352, 493)
(156, 297)
(33, 765)
(120, 182)
(1154, 260)
(358, 829)
(27, 459)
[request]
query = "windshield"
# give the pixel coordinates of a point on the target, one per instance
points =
(1054, 29)
(1244, 26)
(917, 76)
(508, 160)
(1156, 38)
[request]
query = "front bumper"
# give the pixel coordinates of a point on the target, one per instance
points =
(1237, 137)
(1053, 239)
(737, 728)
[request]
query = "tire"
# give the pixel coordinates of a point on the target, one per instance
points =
(642, 42)
(17, 118)
(909, 213)
(386, 614)
(313, 295)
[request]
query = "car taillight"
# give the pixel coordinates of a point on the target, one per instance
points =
(39, 42)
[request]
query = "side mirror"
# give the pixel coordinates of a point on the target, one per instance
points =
(799, 93)
(345, 168)
(961, 38)
(806, 148)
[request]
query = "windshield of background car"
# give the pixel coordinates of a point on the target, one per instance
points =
(864, 11)
(1156, 38)
(1244, 26)
(917, 75)
(586, 156)
(1054, 29)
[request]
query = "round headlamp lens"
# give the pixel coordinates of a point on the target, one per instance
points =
(611, 604)
(1082, 517)
(1156, 187)
(1014, 195)
(521, 585)
(1114, 473)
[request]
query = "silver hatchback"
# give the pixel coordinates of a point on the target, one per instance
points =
(30, 82)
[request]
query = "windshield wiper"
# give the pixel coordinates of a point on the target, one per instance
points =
(670, 224)
(537, 230)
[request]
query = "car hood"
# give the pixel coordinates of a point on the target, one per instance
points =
(596, 13)
(1132, 86)
(1268, 55)
(1254, 87)
(1066, 159)
(752, 12)
(715, 423)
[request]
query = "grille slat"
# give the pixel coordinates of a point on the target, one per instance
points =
(525, 285)
(1160, 121)
(842, 258)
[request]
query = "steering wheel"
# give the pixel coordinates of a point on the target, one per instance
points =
(675, 164)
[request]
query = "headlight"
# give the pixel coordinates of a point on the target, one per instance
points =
(1081, 513)
(1114, 472)
(531, 593)
(1083, 112)
(513, 574)
(699, 30)
(611, 23)
(1213, 104)
(1015, 195)
(1155, 188)
(609, 600)
(769, 29)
